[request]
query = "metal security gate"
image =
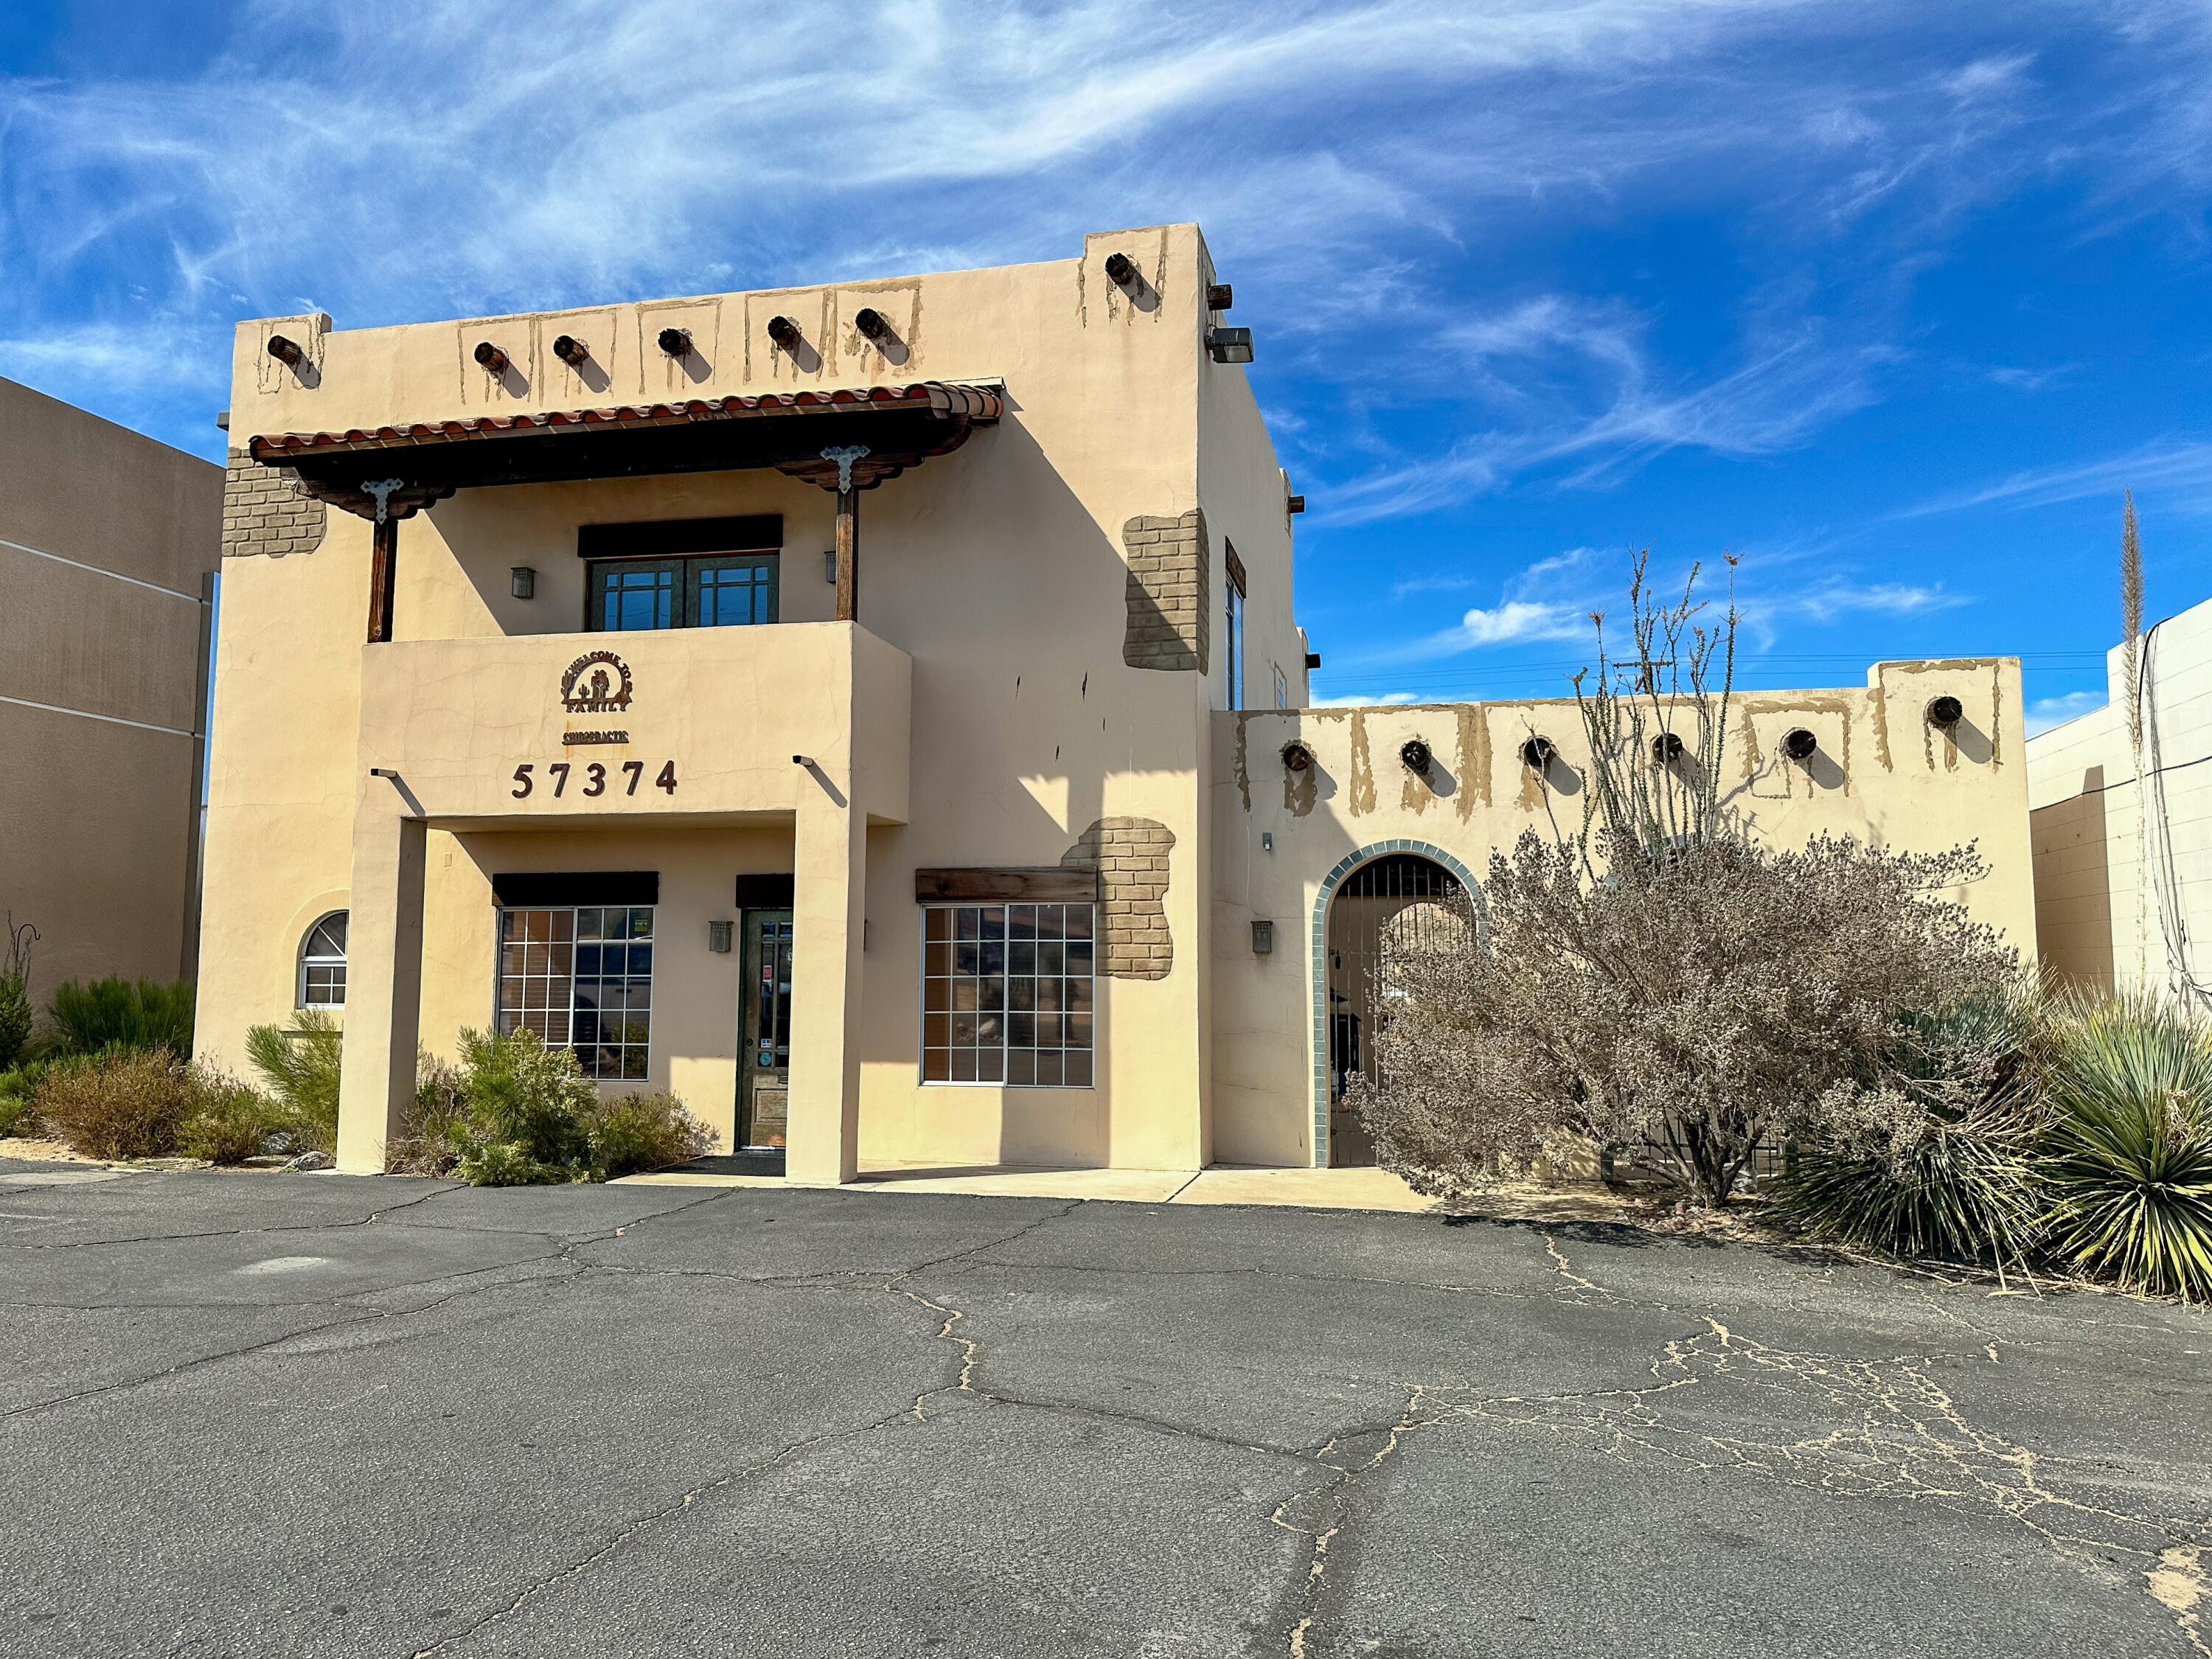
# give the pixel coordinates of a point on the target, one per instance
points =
(1402, 899)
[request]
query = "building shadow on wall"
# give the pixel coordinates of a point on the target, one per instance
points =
(2071, 857)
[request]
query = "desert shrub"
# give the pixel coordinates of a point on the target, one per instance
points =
(115, 1014)
(17, 1087)
(637, 1132)
(300, 1064)
(522, 1095)
(230, 1123)
(15, 1019)
(2128, 1155)
(1697, 1005)
(127, 1103)
(434, 1131)
(1934, 1153)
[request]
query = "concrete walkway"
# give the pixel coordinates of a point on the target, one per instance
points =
(1222, 1183)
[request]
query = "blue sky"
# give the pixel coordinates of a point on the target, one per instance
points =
(1893, 300)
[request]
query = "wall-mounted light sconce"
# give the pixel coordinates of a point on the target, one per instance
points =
(675, 341)
(1230, 345)
(493, 359)
(1297, 757)
(1944, 713)
(522, 581)
(1220, 296)
(783, 332)
(1415, 754)
(1313, 660)
(1263, 939)
(1669, 746)
(871, 323)
(1538, 752)
(829, 565)
(572, 351)
(1120, 270)
(1267, 840)
(1296, 505)
(1799, 744)
(718, 937)
(285, 351)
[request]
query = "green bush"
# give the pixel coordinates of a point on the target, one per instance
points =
(300, 1064)
(230, 1123)
(2128, 1158)
(16, 1088)
(644, 1132)
(14, 1018)
(1933, 1155)
(114, 1013)
(515, 1112)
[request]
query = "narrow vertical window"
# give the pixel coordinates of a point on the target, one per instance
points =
(1006, 994)
(322, 978)
(1232, 633)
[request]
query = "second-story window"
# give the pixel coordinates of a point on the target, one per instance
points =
(1232, 633)
(681, 573)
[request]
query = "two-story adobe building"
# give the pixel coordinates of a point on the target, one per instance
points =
(875, 713)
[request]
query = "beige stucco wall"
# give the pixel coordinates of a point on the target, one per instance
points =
(105, 537)
(1881, 773)
(998, 573)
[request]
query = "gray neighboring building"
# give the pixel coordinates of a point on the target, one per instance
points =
(109, 546)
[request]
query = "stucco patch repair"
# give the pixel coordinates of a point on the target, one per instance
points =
(1362, 796)
(1131, 858)
(1474, 759)
(1169, 579)
(264, 511)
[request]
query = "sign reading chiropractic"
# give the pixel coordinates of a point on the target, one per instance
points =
(597, 682)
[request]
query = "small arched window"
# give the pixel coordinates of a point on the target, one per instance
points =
(322, 964)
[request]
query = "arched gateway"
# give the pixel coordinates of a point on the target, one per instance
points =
(1374, 896)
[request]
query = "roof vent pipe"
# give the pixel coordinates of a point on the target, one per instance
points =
(1538, 752)
(1121, 269)
(285, 351)
(1946, 713)
(1297, 757)
(1799, 744)
(675, 341)
(572, 351)
(1415, 754)
(493, 359)
(1666, 747)
(783, 332)
(871, 323)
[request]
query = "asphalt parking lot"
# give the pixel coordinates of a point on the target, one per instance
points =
(261, 1414)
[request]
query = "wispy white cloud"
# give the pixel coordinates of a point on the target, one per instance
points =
(2045, 713)
(2183, 466)
(1365, 700)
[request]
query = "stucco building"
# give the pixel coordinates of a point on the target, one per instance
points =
(109, 546)
(868, 711)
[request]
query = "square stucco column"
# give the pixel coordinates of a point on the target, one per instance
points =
(828, 894)
(384, 985)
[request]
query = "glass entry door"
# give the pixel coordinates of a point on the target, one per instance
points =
(764, 1030)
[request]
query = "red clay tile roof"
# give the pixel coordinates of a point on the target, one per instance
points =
(946, 399)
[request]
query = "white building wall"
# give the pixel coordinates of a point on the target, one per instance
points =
(2099, 923)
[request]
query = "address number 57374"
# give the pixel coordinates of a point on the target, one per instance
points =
(596, 780)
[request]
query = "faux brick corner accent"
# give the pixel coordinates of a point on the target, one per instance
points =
(1131, 858)
(1170, 593)
(263, 512)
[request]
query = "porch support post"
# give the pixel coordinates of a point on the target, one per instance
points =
(384, 979)
(383, 575)
(849, 554)
(828, 894)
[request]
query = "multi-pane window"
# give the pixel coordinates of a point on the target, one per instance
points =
(323, 963)
(719, 590)
(581, 978)
(1006, 994)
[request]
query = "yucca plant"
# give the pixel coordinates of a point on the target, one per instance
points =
(2128, 1155)
(1935, 1156)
